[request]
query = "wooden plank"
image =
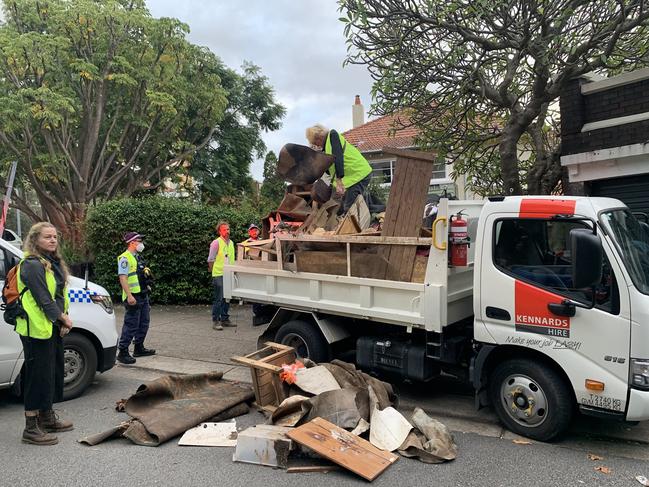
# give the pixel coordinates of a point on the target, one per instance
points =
(256, 363)
(348, 226)
(402, 216)
(280, 256)
(336, 264)
(412, 154)
(343, 448)
(349, 259)
(359, 239)
(313, 468)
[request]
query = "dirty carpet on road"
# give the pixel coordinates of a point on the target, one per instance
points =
(172, 404)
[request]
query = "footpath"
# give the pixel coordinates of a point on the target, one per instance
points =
(186, 344)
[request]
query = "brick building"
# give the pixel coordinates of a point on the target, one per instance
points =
(605, 136)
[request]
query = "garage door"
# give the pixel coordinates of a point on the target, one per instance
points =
(632, 191)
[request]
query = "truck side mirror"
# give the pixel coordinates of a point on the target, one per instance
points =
(587, 258)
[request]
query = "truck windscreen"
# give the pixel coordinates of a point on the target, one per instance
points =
(631, 238)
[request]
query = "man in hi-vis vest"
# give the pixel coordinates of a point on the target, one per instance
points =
(134, 279)
(350, 172)
(221, 252)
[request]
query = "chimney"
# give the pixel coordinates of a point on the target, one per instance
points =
(358, 112)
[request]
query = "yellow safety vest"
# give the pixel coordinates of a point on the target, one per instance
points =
(133, 281)
(219, 261)
(39, 325)
(356, 166)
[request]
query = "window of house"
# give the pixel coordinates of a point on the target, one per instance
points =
(439, 170)
(382, 171)
(538, 252)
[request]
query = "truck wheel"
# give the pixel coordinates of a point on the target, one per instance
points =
(305, 338)
(531, 399)
(80, 359)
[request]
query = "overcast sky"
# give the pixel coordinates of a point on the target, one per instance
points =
(298, 44)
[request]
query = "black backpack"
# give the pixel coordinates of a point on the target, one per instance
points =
(11, 298)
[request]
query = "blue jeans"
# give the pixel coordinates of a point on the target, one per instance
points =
(136, 322)
(220, 307)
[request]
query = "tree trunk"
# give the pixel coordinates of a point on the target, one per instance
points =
(509, 159)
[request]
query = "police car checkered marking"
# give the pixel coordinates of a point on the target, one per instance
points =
(80, 295)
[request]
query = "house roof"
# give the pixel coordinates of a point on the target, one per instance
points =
(379, 133)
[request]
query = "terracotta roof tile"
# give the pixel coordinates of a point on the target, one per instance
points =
(379, 133)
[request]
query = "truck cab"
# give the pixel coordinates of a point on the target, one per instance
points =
(90, 346)
(546, 341)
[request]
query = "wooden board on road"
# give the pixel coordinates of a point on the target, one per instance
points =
(344, 448)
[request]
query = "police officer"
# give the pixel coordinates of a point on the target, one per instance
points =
(134, 277)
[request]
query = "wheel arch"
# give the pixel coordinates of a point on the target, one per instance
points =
(331, 327)
(99, 350)
(490, 356)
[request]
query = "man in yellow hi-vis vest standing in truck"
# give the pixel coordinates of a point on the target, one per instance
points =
(221, 252)
(134, 278)
(350, 171)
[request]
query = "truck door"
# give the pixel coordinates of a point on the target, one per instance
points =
(527, 266)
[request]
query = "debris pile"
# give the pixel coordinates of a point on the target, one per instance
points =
(308, 232)
(326, 409)
(329, 413)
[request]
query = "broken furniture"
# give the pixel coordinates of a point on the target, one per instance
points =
(343, 448)
(264, 445)
(404, 213)
(265, 367)
(299, 164)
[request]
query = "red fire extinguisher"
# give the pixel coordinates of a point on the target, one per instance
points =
(459, 240)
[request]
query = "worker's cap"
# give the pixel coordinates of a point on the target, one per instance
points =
(252, 225)
(130, 236)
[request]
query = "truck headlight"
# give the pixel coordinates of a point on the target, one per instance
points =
(640, 373)
(104, 301)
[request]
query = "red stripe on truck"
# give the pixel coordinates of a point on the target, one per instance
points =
(546, 208)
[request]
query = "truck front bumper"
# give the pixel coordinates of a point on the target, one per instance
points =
(638, 406)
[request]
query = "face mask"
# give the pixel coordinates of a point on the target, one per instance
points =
(140, 247)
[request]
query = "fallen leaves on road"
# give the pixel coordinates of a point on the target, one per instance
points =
(595, 458)
(602, 469)
(643, 480)
(522, 442)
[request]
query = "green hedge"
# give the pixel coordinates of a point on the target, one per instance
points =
(177, 239)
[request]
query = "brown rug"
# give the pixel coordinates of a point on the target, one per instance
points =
(170, 405)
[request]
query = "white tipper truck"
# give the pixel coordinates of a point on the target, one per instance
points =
(550, 315)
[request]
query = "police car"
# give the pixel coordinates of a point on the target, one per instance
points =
(90, 346)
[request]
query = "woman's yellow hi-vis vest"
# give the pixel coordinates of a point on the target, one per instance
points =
(39, 325)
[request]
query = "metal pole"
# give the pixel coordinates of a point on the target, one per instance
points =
(7, 198)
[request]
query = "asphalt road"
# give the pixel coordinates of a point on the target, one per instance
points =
(488, 454)
(482, 460)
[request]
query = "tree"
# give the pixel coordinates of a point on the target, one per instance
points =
(223, 167)
(273, 187)
(479, 77)
(97, 99)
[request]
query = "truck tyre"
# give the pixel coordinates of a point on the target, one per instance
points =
(305, 338)
(80, 366)
(531, 399)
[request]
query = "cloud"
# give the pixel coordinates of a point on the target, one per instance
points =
(298, 44)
